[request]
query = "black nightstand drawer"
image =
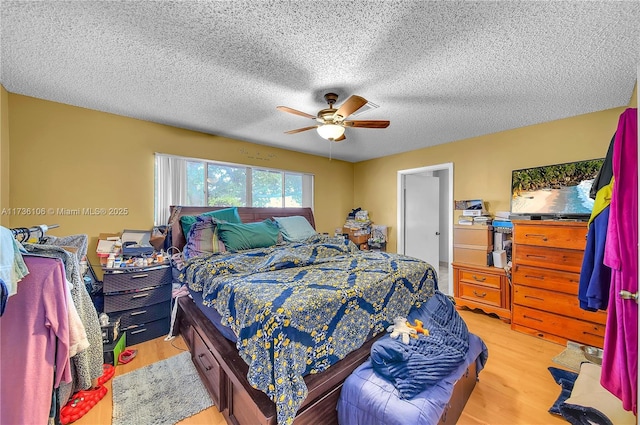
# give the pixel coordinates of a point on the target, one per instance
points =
(141, 333)
(144, 314)
(136, 299)
(141, 278)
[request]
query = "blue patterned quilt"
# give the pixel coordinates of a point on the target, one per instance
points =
(299, 308)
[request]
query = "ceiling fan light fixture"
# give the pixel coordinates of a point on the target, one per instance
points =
(330, 131)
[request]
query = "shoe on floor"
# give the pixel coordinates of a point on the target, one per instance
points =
(127, 355)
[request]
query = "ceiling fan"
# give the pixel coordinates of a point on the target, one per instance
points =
(332, 121)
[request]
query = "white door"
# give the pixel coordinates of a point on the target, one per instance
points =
(422, 218)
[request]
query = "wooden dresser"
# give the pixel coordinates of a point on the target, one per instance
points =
(482, 287)
(547, 259)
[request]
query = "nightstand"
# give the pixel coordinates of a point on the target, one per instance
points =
(141, 297)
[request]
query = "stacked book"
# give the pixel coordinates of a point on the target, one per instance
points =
(502, 223)
(471, 217)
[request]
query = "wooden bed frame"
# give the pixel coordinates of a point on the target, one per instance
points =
(224, 372)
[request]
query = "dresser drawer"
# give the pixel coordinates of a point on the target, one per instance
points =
(543, 323)
(555, 302)
(555, 280)
(479, 278)
(136, 299)
(552, 258)
(569, 236)
(146, 331)
(117, 282)
(480, 294)
(209, 369)
(144, 314)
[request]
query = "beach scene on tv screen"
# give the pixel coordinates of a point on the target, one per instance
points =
(554, 189)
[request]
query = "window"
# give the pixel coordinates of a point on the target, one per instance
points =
(198, 182)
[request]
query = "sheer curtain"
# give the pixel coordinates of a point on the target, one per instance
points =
(171, 185)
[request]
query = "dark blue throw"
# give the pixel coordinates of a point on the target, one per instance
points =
(427, 359)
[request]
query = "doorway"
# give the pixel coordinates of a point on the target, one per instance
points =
(418, 188)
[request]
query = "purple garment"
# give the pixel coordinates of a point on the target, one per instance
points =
(620, 359)
(34, 337)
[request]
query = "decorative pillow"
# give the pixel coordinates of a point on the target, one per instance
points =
(239, 236)
(590, 403)
(229, 215)
(295, 228)
(203, 237)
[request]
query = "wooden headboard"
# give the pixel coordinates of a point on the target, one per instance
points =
(247, 215)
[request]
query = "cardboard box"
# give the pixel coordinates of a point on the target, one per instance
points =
(472, 254)
(110, 352)
(356, 236)
(106, 246)
(478, 235)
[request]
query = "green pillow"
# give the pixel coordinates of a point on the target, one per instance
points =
(239, 236)
(227, 214)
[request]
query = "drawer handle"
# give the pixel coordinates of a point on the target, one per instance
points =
(140, 296)
(140, 276)
(479, 279)
(530, 276)
(536, 256)
(532, 318)
(136, 313)
(201, 355)
(138, 331)
(534, 298)
(477, 294)
(535, 235)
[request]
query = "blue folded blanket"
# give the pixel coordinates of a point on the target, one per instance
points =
(427, 359)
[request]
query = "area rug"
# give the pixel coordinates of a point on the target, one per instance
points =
(571, 358)
(162, 393)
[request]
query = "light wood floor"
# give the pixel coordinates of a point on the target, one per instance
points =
(514, 388)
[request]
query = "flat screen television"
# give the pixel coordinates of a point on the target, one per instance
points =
(554, 191)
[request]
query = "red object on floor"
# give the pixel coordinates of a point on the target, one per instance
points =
(127, 355)
(80, 403)
(107, 373)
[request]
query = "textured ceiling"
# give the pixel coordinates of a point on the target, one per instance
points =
(439, 71)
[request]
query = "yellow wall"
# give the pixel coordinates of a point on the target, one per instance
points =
(482, 165)
(68, 157)
(4, 156)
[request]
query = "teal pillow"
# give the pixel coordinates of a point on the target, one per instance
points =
(295, 228)
(239, 236)
(227, 214)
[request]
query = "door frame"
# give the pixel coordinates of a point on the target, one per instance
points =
(448, 166)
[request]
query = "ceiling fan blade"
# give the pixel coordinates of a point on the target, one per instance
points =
(295, 111)
(340, 139)
(350, 106)
(299, 130)
(367, 124)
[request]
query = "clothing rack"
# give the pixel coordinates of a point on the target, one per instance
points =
(22, 234)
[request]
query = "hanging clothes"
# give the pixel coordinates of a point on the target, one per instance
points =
(34, 333)
(86, 364)
(603, 178)
(12, 267)
(620, 359)
(595, 276)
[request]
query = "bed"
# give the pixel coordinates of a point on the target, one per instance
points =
(302, 366)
